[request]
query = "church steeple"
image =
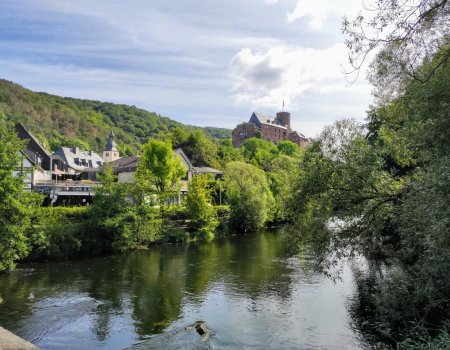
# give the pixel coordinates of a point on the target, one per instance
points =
(111, 144)
(111, 153)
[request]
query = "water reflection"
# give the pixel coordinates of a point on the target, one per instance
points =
(250, 290)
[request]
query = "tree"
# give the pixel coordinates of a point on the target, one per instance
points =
(249, 196)
(159, 169)
(227, 153)
(282, 176)
(16, 205)
(201, 150)
(383, 192)
(344, 198)
(288, 148)
(404, 34)
(111, 198)
(259, 152)
(199, 210)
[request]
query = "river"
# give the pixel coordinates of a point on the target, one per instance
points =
(251, 291)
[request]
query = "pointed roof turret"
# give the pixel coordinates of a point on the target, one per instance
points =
(111, 144)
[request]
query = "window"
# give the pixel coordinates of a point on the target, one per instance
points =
(107, 154)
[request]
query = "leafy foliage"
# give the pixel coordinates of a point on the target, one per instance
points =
(85, 123)
(159, 170)
(249, 197)
(199, 210)
(16, 204)
(382, 192)
(404, 34)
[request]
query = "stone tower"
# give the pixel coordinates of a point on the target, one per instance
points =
(284, 118)
(111, 153)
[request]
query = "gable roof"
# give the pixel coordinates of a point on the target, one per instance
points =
(124, 164)
(259, 119)
(263, 118)
(24, 134)
(184, 158)
(72, 156)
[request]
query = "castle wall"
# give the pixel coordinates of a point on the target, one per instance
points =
(273, 132)
(243, 132)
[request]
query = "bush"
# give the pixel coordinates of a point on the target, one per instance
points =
(201, 214)
(58, 232)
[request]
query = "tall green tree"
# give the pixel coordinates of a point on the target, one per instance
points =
(200, 150)
(383, 192)
(16, 204)
(282, 177)
(159, 169)
(249, 196)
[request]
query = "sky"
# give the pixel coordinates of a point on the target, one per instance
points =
(206, 63)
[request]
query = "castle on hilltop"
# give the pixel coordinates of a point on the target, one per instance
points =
(268, 128)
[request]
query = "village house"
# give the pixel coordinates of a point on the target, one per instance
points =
(77, 164)
(66, 177)
(268, 128)
(125, 168)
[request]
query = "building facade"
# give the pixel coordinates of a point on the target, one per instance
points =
(268, 128)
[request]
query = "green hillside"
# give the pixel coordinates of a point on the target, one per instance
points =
(63, 121)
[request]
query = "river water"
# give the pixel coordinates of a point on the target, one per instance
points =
(251, 291)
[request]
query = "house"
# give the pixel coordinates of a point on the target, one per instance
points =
(268, 128)
(77, 164)
(65, 177)
(35, 162)
(34, 150)
(125, 169)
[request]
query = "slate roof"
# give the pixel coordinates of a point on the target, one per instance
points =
(124, 164)
(263, 119)
(80, 160)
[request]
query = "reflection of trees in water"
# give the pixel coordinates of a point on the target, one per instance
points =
(152, 285)
(362, 305)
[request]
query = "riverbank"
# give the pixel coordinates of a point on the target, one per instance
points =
(10, 341)
(74, 232)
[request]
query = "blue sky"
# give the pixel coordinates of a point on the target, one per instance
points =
(199, 62)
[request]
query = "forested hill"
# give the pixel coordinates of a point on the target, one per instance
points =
(58, 121)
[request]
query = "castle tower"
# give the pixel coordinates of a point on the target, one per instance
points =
(284, 118)
(111, 153)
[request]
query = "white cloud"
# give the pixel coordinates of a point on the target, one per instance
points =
(316, 10)
(265, 78)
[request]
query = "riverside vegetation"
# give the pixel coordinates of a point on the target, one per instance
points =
(377, 190)
(128, 216)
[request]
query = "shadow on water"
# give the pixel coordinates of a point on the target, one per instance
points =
(251, 290)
